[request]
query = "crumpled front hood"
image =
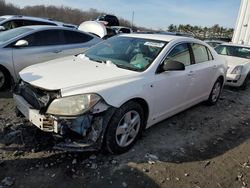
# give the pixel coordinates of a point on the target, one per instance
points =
(70, 72)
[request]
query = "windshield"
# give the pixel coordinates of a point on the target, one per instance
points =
(235, 51)
(127, 52)
(10, 34)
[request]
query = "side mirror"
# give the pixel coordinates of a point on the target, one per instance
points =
(170, 65)
(21, 43)
(2, 28)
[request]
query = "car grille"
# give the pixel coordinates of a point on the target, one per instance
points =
(31, 97)
(37, 98)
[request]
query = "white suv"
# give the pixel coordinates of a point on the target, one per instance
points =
(13, 21)
(111, 93)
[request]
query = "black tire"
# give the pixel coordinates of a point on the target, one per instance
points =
(18, 113)
(110, 141)
(4, 78)
(212, 100)
(246, 82)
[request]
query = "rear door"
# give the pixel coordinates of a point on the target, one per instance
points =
(203, 72)
(43, 46)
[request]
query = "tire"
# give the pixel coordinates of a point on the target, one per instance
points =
(18, 113)
(246, 82)
(121, 133)
(215, 92)
(3, 79)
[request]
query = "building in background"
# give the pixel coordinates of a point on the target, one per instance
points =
(242, 29)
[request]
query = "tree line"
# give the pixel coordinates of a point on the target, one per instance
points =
(77, 16)
(214, 32)
(59, 13)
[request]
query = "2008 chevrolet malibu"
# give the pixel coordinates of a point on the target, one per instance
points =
(107, 96)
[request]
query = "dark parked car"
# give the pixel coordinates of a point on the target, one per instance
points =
(110, 19)
(121, 29)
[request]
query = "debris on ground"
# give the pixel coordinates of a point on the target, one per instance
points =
(197, 146)
(8, 181)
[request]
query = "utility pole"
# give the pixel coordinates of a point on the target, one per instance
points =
(132, 22)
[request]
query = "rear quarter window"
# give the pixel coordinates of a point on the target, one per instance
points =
(74, 37)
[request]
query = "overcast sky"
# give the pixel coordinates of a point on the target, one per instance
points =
(157, 14)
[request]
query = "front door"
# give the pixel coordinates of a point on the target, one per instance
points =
(171, 88)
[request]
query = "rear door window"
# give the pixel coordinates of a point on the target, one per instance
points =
(200, 53)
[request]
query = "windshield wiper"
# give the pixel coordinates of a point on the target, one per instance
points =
(127, 67)
(96, 60)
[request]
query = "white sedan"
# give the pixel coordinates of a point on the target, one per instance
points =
(109, 95)
(238, 59)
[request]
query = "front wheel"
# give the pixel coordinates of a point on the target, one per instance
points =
(215, 92)
(124, 128)
(3, 79)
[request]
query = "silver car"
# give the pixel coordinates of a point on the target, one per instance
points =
(25, 46)
(14, 21)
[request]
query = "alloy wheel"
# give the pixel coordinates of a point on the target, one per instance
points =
(128, 128)
(216, 91)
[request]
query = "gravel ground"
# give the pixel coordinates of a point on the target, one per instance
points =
(205, 146)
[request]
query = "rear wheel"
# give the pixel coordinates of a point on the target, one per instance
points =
(215, 93)
(3, 79)
(124, 128)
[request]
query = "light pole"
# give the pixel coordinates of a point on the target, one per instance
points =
(132, 22)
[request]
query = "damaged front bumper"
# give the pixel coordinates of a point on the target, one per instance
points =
(81, 133)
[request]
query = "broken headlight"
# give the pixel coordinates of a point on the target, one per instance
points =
(73, 105)
(237, 69)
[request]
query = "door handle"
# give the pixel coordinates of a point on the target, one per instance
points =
(57, 51)
(191, 73)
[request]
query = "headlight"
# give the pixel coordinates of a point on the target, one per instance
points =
(237, 70)
(73, 105)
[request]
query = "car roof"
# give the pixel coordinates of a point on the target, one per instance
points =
(236, 45)
(166, 38)
(6, 16)
(31, 18)
(44, 27)
(38, 27)
(220, 41)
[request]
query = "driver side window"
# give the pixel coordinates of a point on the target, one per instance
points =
(180, 53)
